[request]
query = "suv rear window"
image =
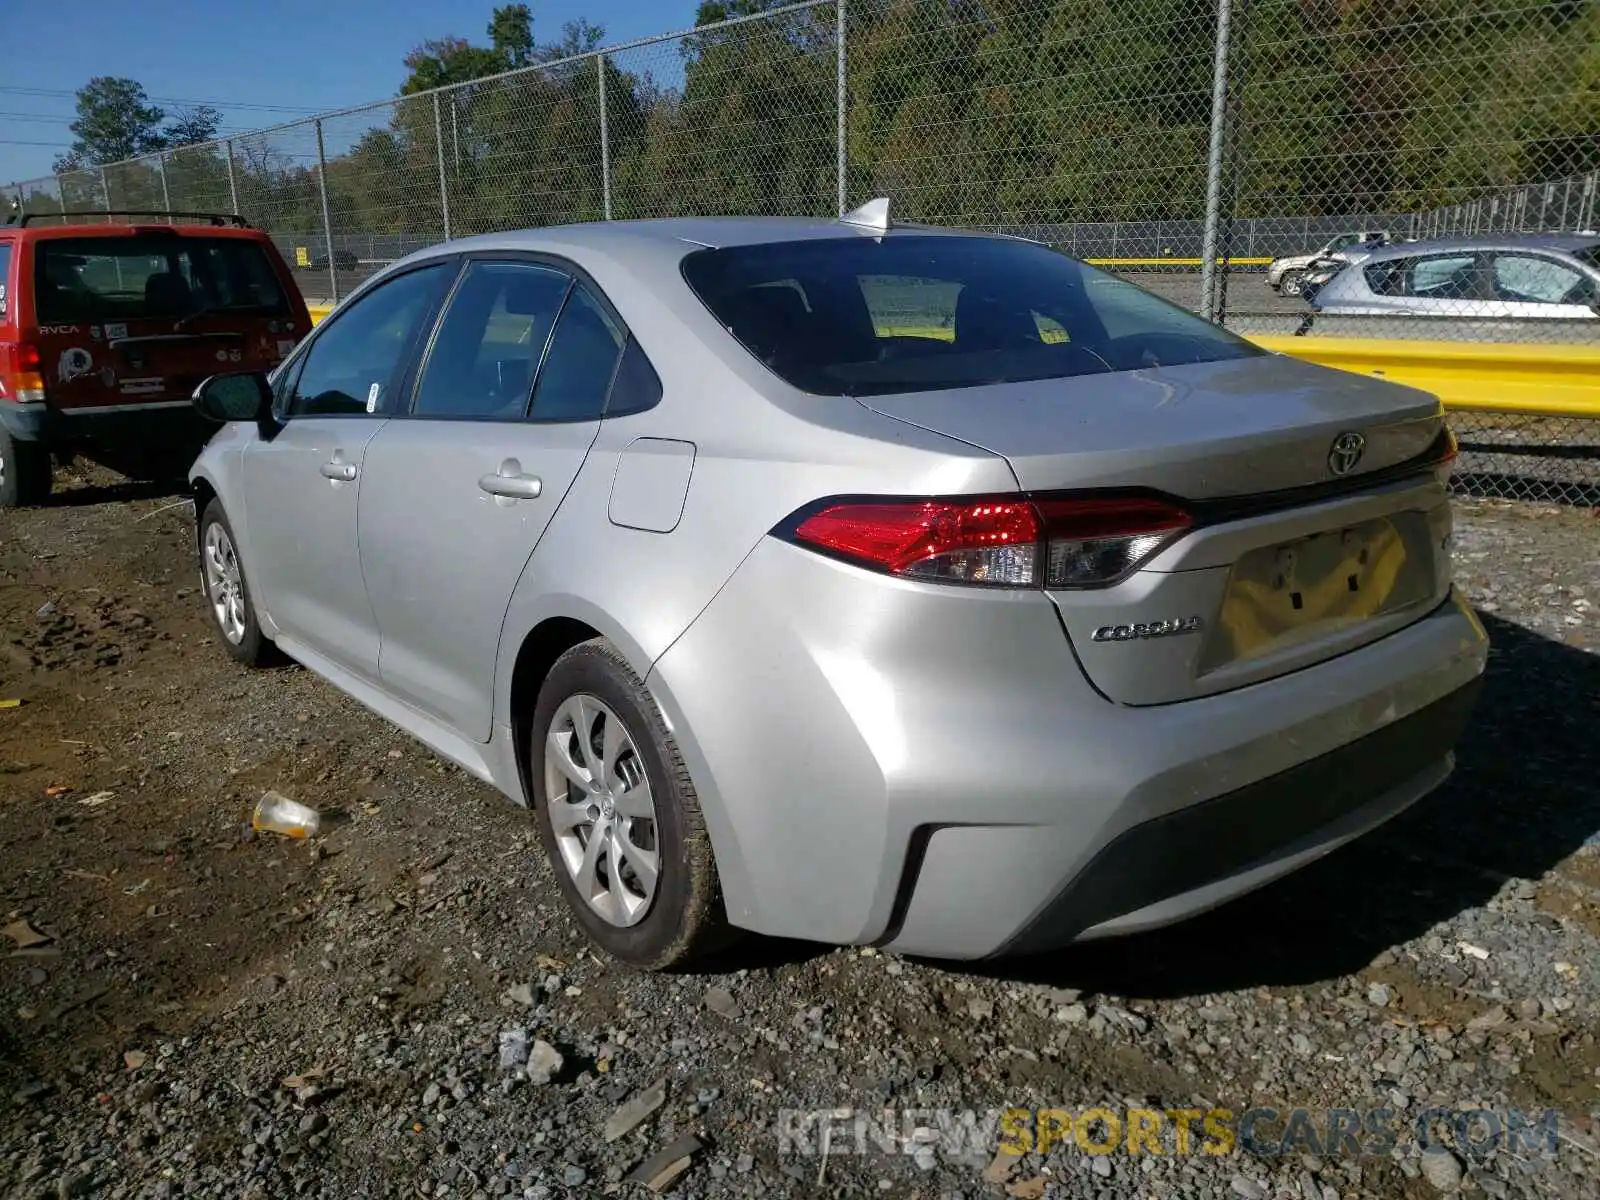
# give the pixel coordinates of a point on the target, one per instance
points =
(911, 313)
(151, 275)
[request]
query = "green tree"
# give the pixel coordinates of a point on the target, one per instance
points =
(115, 121)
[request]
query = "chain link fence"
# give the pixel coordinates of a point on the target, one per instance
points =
(1155, 137)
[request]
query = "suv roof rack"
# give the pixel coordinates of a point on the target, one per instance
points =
(211, 218)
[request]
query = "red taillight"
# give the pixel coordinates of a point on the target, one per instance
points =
(1047, 541)
(20, 379)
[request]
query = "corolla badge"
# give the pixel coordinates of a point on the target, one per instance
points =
(1346, 452)
(1144, 630)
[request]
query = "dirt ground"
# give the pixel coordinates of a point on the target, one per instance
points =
(151, 936)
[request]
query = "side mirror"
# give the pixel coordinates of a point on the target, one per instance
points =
(236, 396)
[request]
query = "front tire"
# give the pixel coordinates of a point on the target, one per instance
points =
(25, 471)
(618, 814)
(227, 591)
(1292, 283)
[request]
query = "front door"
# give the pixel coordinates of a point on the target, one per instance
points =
(458, 491)
(302, 485)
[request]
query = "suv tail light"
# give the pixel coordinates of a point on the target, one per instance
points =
(21, 381)
(1002, 541)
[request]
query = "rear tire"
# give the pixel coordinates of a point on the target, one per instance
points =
(227, 594)
(25, 472)
(593, 707)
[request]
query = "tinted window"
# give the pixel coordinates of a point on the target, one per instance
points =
(868, 316)
(351, 362)
(490, 341)
(1438, 277)
(1522, 278)
(151, 275)
(1589, 255)
(636, 386)
(582, 359)
(5, 277)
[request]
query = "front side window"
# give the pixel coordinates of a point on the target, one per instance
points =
(490, 342)
(351, 364)
(912, 313)
(1523, 278)
(152, 275)
(1446, 277)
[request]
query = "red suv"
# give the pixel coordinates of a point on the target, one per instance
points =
(106, 330)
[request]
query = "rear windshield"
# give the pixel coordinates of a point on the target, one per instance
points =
(866, 316)
(160, 275)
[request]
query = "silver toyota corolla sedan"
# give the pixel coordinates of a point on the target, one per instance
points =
(850, 581)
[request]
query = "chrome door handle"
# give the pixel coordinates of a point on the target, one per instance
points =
(509, 483)
(343, 471)
(513, 487)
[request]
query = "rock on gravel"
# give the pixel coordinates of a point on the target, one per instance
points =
(636, 1111)
(544, 1062)
(1442, 1169)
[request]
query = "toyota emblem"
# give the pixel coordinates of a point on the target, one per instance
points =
(1346, 453)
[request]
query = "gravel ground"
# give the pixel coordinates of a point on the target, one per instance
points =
(403, 1008)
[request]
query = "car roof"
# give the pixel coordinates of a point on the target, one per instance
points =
(666, 240)
(52, 232)
(1563, 242)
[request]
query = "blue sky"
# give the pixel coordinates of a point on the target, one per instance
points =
(260, 62)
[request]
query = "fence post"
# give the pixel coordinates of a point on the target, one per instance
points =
(105, 191)
(1219, 113)
(605, 142)
(327, 216)
(61, 194)
(233, 185)
(839, 98)
(166, 199)
(438, 154)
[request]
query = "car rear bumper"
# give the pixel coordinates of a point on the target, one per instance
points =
(926, 768)
(132, 422)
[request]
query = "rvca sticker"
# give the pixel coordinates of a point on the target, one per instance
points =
(75, 364)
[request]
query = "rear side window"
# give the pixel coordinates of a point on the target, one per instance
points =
(5, 278)
(576, 375)
(913, 313)
(490, 341)
(1526, 279)
(151, 275)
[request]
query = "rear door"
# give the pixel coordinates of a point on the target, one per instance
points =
(458, 493)
(138, 317)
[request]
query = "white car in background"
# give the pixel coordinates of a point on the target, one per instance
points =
(1287, 275)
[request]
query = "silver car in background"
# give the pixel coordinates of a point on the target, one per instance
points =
(851, 582)
(1553, 276)
(1287, 274)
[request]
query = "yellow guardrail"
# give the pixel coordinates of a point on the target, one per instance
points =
(1526, 377)
(1531, 378)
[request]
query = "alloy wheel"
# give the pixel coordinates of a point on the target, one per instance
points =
(224, 583)
(602, 810)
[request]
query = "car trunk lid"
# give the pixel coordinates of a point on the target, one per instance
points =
(1312, 535)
